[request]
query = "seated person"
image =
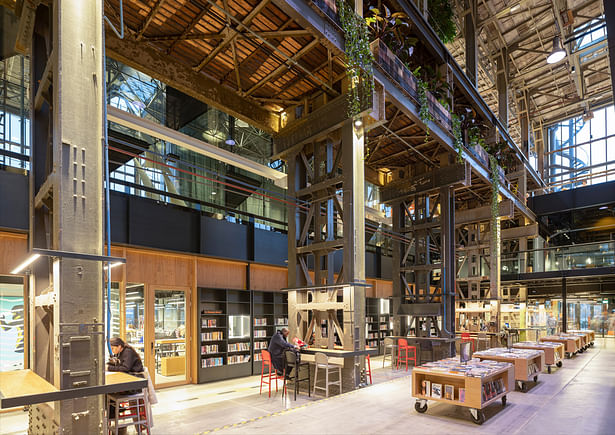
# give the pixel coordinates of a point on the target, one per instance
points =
(125, 358)
(277, 346)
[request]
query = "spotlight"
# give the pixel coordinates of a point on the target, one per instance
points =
(558, 52)
(358, 122)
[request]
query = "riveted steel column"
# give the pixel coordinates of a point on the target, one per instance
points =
(66, 209)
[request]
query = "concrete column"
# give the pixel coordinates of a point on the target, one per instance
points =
(471, 40)
(67, 173)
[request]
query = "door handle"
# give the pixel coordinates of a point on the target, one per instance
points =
(152, 346)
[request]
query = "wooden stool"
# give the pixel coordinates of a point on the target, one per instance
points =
(130, 410)
(322, 362)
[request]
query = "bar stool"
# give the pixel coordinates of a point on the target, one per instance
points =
(483, 341)
(322, 362)
(368, 369)
(268, 372)
(130, 410)
(291, 363)
(402, 347)
(389, 343)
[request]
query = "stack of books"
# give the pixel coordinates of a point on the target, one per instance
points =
(504, 352)
(473, 368)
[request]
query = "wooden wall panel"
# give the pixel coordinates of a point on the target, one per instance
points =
(221, 273)
(270, 278)
(13, 251)
(158, 269)
(383, 289)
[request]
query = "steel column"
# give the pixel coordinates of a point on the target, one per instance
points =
(502, 87)
(67, 131)
(470, 20)
(448, 272)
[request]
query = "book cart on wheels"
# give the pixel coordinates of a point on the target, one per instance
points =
(474, 385)
(554, 352)
(572, 343)
(528, 363)
(585, 339)
(590, 336)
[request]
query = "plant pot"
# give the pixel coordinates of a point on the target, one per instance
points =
(393, 67)
(480, 154)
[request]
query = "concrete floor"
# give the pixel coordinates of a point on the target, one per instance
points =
(578, 398)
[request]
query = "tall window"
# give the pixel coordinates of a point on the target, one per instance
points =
(582, 150)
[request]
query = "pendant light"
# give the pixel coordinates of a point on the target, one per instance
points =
(557, 53)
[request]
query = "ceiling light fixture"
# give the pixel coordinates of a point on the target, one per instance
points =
(358, 122)
(515, 8)
(604, 207)
(557, 53)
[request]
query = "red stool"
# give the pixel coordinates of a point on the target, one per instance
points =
(268, 372)
(465, 337)
(368, 369)
(402, 346)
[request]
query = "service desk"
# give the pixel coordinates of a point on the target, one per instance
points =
(24, 387)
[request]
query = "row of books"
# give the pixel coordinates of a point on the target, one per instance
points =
(260, 345)
(383, 319)
(237, 347)
(260, 333)
(492, 389)
(473, 368)
(532, 369)
(384, 327)
(211, 362)
(373, 335)
(435, 390)
(208, 323)
(258, 357)
(212, 336)
(372, 343)
(238, 359)
(260, 322)
(281, 321)
(209, 348)
(370, 319)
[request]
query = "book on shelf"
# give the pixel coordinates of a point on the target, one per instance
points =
(260, 322)
(209, 348)
(436, 391)
(492, 388)
(426, 388)
(211, 362)
(449, 392)
(260, 333)
(212, 336)
(238, 347)
(238, 359)
(383, 319)
(462, 394)
(369, 319)
(258, 345)
(258, 356)
(208, 323)
(532, 369)
(281, 321)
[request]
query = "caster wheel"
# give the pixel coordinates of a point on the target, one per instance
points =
(536, 377)
(549, 369)
(420, 408)
(479, 418)
(503, 401)
(559, 364)
(581, 350)
(523, 387)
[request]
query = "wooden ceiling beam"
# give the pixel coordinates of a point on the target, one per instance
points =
(148, 19)
(281, 34)
(196, 20)
(157, 64)
(230, 34)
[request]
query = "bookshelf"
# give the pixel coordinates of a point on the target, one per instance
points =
(474, 392)
(377, 322)
(235, 325)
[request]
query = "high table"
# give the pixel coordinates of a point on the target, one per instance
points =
(344, 358)
(553, 351)
(25, 387)
(414, 340)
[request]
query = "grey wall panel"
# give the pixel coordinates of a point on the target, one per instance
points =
(387, 267)
(13, 200)
(270, 247)
(119, 218)
(158, 225)
(220, 238)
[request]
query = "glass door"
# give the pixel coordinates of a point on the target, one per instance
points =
(135, 317)
(170, 338)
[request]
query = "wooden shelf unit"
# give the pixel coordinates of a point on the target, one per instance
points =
(473, 386)
(520, 363)
(572, 344)
(375, 319)
(554, 352)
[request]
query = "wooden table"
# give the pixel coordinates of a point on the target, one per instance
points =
(336, 356)
(521, 362)
(572, 343)
(24, 387)
(553, 351)
(473, 389)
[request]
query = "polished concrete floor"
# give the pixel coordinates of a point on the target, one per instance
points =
(578, 398)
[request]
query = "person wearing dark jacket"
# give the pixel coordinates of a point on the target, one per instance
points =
(125, 358)
(277, 346)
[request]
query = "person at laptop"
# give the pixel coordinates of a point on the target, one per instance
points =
(277, 346)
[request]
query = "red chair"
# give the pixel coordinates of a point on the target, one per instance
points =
(402, 353)
(268, 372)
(465, 337)
(368, 369)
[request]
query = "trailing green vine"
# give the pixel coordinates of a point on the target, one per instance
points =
(424, 114)
(474, 137)
(441, 18)
(360, 59)
(456, 126)
(495, 191)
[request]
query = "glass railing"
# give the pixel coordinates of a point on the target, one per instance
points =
(581, 256)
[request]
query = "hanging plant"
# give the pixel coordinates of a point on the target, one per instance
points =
(495, 189)
(441, 19)
(456, 126)
(421, 89)
(360, 59)
(393, 28)
(474, 137)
